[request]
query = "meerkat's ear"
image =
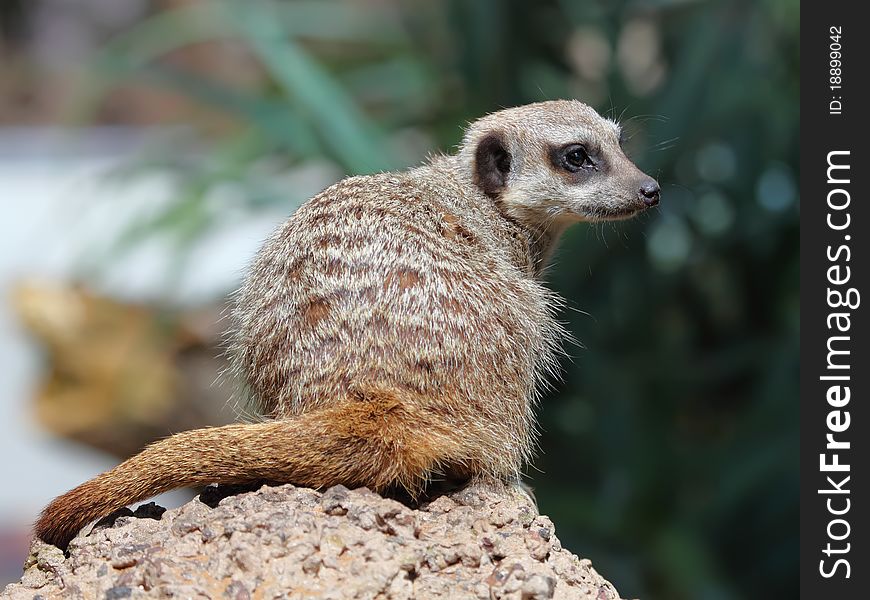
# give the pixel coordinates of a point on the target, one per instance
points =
(492, 164)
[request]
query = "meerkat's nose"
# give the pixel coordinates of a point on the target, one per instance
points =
(649, 192)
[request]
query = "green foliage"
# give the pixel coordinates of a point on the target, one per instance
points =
(682, 405)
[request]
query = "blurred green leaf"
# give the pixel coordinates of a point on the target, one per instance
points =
(344, 129)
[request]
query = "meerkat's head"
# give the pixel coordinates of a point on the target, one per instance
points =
(553, 163)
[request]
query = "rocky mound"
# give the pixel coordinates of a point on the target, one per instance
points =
(287, 542)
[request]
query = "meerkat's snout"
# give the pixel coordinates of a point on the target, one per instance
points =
(620, 190)
(617, 189)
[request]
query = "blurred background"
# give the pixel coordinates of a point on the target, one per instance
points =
(148, 146)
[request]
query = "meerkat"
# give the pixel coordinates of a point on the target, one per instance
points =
(396, 327)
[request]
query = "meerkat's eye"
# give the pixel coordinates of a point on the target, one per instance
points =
(575, 158)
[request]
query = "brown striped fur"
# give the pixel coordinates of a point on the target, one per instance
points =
(395, 327)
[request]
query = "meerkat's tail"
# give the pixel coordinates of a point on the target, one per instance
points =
(377, 442)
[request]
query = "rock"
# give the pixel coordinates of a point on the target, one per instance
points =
(485, 542)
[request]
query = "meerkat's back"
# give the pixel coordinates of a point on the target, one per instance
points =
(403, 282)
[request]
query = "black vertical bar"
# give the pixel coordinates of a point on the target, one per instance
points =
(835, 224)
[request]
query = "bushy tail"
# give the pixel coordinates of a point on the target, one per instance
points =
(377, 442)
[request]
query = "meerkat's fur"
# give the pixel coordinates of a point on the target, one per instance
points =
(395, 327)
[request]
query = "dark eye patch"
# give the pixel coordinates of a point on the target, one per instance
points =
(574, 158)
